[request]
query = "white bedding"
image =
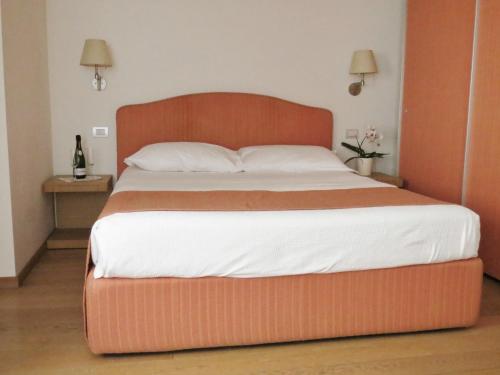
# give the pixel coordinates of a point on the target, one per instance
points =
(259, 244)
(138, 179)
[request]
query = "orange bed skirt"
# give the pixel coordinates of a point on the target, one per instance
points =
(163, 314)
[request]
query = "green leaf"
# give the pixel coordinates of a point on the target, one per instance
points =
(357, 150)
(374, 154)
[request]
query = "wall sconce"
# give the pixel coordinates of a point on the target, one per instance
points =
(363, 62)
(95, 53)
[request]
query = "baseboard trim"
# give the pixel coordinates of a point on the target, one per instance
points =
(17, 281)
(31, 263)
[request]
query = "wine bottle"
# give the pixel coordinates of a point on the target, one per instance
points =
(79, 170)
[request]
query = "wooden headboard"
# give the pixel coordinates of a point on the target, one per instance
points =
(232, 120)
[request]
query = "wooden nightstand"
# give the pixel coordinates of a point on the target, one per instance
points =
(388, 179)
(76, 207)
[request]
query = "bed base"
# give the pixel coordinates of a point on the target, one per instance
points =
(164, 314)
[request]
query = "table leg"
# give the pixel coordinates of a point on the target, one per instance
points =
(55, 209)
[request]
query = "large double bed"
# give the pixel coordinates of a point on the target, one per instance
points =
(182, 260)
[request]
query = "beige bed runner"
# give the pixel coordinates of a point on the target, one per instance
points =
(134, 201)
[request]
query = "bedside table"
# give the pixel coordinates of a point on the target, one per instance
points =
(77, 204)
(388, 179)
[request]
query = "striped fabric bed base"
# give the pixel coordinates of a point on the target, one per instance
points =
(163, 314)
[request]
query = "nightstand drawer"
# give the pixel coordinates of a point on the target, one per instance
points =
(56, 185)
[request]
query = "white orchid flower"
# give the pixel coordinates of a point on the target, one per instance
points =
(371, 134)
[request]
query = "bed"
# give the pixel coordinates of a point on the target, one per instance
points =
(305, 285)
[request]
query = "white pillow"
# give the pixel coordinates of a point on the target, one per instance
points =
(185, 157)
(290, 159)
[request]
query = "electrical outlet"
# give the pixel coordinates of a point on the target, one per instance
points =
(351, 133)
(100, 131)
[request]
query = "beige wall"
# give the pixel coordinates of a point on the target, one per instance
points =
(7, 263)
(295, 49)
(28, 123)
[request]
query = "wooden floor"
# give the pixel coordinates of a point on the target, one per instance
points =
(41, 333)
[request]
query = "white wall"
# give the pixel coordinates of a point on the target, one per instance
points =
(28, 123)
(294, 49)
(7, 260)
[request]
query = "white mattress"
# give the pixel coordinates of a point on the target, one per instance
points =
(259, 244)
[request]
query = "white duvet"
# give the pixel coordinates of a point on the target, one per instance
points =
(274, 243)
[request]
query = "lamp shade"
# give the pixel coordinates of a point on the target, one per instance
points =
(95, 52)
(363, 61)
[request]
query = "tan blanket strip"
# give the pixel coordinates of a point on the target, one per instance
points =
(134, 201)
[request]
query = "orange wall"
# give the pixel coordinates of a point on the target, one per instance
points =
(439, 45)
(483, 177)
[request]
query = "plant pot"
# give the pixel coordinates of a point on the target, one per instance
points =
(365, 166)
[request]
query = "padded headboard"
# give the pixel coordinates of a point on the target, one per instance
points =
(232, 120)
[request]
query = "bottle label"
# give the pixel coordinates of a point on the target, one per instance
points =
(80, 172)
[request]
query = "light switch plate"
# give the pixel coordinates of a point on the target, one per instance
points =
(351, 133)
(100, 131)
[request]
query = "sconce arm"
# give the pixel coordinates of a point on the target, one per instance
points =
(98, 77)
